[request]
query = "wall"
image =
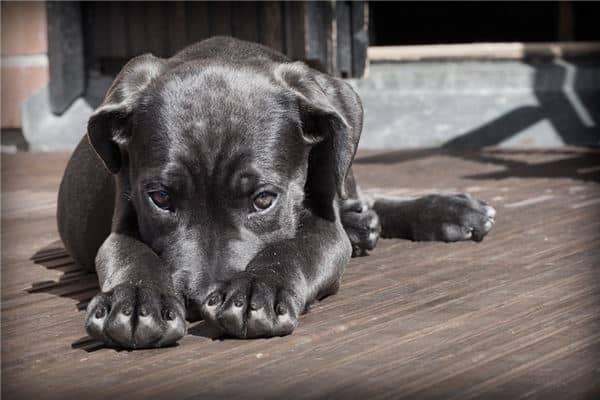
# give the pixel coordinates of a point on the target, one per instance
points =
(24, 60)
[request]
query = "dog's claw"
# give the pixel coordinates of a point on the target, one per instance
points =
(130, 317)
(100, 312)
(362, 226)
(170, 315)
(452, 218)
(253, 306)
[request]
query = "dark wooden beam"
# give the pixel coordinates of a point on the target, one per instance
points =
(319, 32)
(343, 38)
(65, 54)
(360, 37)
(271, 25)
(295, 40)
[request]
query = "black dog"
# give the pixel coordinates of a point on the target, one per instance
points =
(230, 196)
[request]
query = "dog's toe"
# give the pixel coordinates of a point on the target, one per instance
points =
(362, 226)
(135, 317)
(231, 317)
(249, 307)
(452, 218)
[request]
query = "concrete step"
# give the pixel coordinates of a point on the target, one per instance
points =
(476, 103)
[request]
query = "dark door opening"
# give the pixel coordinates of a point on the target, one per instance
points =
(404, 23)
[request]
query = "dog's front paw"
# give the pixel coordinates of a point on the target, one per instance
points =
(451, 218)
(134, 317)
(361, 224)
(253, 305)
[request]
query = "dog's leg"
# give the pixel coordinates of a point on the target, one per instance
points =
(441, 217)
(85, 205)
(138, 306)
(280, 282)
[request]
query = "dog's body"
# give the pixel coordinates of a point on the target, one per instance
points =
(229, 197)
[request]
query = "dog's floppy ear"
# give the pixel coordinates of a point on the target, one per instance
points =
(323, 125)
(107, 129)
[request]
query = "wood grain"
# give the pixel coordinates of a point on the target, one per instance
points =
(516, 316)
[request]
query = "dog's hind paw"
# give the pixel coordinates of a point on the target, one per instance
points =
(134, 317)
(452, 218)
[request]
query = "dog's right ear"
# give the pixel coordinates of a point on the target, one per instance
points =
(108, 128)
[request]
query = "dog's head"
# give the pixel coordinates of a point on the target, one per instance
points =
(217, 161)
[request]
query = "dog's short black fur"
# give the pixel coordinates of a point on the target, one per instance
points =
(216, 184)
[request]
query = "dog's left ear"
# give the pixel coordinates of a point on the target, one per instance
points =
(320, 99)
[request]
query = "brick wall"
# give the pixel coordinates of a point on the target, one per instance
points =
(24, 56)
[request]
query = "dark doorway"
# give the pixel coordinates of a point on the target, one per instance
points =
(402, 23)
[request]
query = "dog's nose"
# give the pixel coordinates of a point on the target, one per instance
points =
(193, 309)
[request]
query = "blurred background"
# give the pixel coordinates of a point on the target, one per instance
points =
(430, 74)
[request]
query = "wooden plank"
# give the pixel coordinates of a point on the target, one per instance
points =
(197, 21)
(155, 25)
(295, 28)
(344, 38)
(177, 27)
(137, 39)
(512, 317)
(320, 50)
(117, 24)
(65, 55)
(484, 51)
(220, 18)
(94, 48)
(244, 20)
(271, 25)
(360, 37)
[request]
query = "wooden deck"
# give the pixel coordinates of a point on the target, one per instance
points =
(516, 316)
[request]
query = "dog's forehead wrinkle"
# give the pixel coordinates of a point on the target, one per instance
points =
(219, 110)
(212, 153)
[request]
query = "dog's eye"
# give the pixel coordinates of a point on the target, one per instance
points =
(161, 198)
(264, 200)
